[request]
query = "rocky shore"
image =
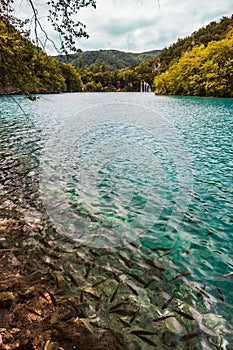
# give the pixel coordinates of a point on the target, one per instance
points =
(37, 308)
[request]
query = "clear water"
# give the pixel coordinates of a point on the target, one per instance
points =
(114, 169)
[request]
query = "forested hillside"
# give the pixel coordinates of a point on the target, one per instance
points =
(114, 59)
(214, 31)
(26, 68)
(203, 71)
(201, 64)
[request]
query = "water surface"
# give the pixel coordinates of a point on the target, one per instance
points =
(122, 170)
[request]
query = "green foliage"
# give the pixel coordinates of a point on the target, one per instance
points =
(73, 80)
(61, 16)
(60, 13)
(128, 78)
(26, 68)
(201, 64)
(214, 31)
(15, 56)
(91, 86)
(47, 73)
(204, 71)
(112, 58)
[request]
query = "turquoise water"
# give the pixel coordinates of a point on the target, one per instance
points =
(113, 169)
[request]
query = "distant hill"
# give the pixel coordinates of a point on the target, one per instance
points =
(114, 59)
(152, 53)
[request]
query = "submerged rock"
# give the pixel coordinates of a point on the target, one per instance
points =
(6, 299)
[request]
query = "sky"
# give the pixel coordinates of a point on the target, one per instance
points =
(140, 25)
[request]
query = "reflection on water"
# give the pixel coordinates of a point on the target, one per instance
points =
(144, 184)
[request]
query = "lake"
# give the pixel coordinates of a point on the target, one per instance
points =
(146, 178)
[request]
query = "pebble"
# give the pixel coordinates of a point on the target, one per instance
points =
(6, 299)
(51, 345)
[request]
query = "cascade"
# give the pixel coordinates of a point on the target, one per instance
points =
(145, 87)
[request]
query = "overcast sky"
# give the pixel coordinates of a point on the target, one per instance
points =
(137, 26)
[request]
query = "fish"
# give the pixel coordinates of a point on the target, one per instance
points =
(125, 323)
(131, 287)
(220, 295)
(94, 296)
(162, 318)
(52, 266)
(74, 305)
(115, 293)
(118, 275)
(79, 260)
(146, 340)
(52, 297)
(99, 282)
(142, 332)
(58, 281)
(132, 244)
(188, 337)
(167, 302)
(164, 254)
(201, 291)
(73, 280)
(41, 294)
(183, 274)
(149, 283)
(134, 317)
(211, 232)
(155, 264)
(34, 276)
(159, 248)
(228, 274)
(125, 261)
(123, 303)
(31, 310)
(124, 312)
(156, 277)
(87, 271)
(82, 297)
(183, 314)
(138, 279)
(93, 253)
(187, 251)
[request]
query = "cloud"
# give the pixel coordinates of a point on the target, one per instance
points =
(143, 25)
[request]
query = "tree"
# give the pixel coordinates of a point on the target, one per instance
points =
(60, 13)
(26, 68)
(23, 66)
(72, 78)
(204, 71)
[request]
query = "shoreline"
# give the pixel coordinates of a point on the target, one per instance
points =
(37, 307)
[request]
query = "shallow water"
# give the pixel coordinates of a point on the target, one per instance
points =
(114, 170)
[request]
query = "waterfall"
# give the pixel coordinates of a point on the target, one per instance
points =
(145, 87)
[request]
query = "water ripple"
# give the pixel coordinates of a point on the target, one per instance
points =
(135, 172)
